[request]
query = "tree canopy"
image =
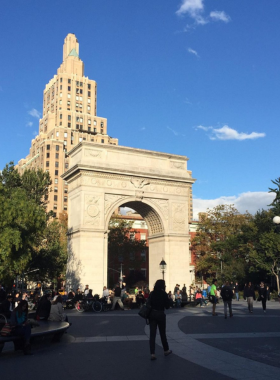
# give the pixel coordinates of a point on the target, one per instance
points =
(28, 234)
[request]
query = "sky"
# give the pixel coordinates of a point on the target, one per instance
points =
(199, 78)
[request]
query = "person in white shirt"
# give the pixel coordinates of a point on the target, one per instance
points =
(86, 290)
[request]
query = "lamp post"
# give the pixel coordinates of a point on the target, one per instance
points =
(162, 265)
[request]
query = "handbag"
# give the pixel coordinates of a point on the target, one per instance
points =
(145, 310)
(6, 329)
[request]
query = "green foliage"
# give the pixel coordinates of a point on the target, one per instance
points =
(276, 202)
(25, 225)
(216, 243)
(121, 247)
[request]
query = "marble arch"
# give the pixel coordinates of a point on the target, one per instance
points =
(156, 185)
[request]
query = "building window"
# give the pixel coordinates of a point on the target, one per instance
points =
(81, 91)
(88, 94)
(56, 180)
(77, 90)
(69, 125)
(60, 123)
(65, 134)
(65, 190)
(60, 102)
(47, 164)
(143, 236)
(144, 272)
(60, 87)
(55, 207)
(81, 84)
(77, 126)
(88, 100)
(69, 81)
(69, 88)
(56, 164)
(64, 143)
(56, 172)
(65, 207)
(101, 125)
(60, 116)
(89, 86)
(69, 117)
(102, 141)
(88, 107)
(57, 134)
(57, 147)
(68, 96)
(48, 147)
(80, 139)
(89, 129)
(55, 198)
(65, 199)
(81, 98)
(132, 236)
(66, 165)
(143, 256)
(48, 155)
(94, 123)
(60, 80)
(57, 155)
(89, 121)
(60, 95)
(55, 189)
(77, 84)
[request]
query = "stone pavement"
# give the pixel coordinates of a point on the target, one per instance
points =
(103, 345)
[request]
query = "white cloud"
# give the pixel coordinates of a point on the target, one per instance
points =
(194, 52)
(29, 124)
(190, 6)
(195, 9)
(219, 16)
(34, 113)
(249, 201)
(227, 133)
(173, 131)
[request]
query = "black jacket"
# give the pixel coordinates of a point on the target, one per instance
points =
(44, 308)
(249, 292)
(159, 300)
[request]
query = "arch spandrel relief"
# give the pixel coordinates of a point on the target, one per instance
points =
(92, 210)
(179, 217)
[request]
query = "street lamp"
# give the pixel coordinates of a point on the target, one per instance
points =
(276, 220)
(162, 265)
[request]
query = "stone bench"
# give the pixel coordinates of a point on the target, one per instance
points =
(56, 329)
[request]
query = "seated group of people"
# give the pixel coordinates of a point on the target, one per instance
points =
(15, 309)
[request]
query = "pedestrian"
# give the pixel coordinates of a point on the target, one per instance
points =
(263, 296)
(249, 293)
(227, 295)
(267, 293)
(117, 297)
(213, 296)
(236, 291)
(159, 301)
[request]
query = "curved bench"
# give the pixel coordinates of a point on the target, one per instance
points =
(56, 329)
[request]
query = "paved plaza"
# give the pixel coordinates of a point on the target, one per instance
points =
(115, 344)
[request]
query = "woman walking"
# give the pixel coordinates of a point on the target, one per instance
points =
(159, 301)
(263, 296)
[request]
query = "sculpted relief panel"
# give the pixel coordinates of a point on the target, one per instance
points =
(179, 217)
(110, 199)
(92, 210)
(132, 183)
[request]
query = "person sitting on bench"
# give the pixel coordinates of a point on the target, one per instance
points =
(20, 325)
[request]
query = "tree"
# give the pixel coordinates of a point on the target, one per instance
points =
(122, 246)
(261, 244)
(29, 237)
(276, 202)
(216, 244)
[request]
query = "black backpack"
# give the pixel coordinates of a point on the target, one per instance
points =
(227, 295)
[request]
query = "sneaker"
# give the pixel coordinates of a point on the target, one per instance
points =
(166, 353)
(153, 357)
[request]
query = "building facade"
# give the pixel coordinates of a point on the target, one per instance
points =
(69, 116)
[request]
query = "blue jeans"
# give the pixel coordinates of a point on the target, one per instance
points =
(237, 296)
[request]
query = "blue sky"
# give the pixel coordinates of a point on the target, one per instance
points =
(196, 77)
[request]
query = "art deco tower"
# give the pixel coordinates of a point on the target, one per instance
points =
(69, 117)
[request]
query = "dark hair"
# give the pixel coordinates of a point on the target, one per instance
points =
(159, 285)
(57, 300)
(214, 280)
(20, 306)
